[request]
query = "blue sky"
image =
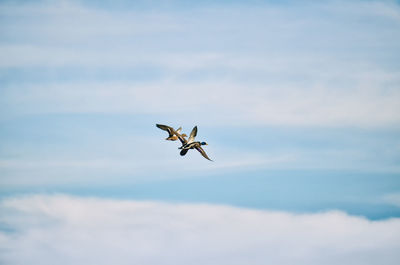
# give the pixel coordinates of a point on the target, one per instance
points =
(299, 102)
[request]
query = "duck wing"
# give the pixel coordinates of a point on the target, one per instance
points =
(192, 135)
(166, 128)
(202, 152)
(181, 138)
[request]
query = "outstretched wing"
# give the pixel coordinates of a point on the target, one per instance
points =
(181, 138)
(202, 152)
(170, 130)
(192, 135)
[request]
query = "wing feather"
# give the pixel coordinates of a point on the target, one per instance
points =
(202, 152)
(192, 134)
(170, 130)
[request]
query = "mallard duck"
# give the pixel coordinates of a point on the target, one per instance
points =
(191, 144)
(173, 135)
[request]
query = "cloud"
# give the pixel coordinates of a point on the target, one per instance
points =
(72, 230)
(315, 64)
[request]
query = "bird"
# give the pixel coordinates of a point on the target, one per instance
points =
(191, 144)
(173, 135)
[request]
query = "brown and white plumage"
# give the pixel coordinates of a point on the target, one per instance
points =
(188, 144)
(173, 135)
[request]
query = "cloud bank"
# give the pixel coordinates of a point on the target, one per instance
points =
(61, 230)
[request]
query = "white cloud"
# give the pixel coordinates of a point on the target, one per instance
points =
(71, 230)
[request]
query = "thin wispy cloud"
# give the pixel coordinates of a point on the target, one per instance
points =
(392, 198)
(334, 76)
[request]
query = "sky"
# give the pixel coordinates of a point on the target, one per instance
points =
(299, 102)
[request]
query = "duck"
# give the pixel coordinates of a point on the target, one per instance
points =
(191, 144)
(173, 135)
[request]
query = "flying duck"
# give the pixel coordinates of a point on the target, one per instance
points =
(191, 144)
(172, 134)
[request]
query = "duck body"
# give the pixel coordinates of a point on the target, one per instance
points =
(194, 145)
(191, 144)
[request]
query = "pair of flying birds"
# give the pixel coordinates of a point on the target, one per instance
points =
(174, 135)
